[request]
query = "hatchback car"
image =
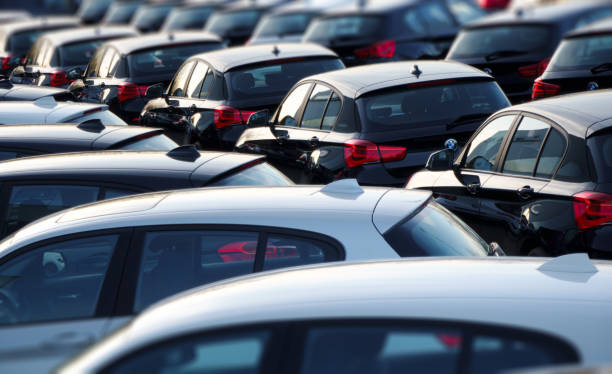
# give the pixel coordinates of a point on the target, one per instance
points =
(391, 317)
(376, 123)
(535, 177)
(212, 94)
(382, 31)
(168, 242)
(121, 70)
(58, 57)
(515, 46)
(192, 15)
(26, 92)
(582, 62)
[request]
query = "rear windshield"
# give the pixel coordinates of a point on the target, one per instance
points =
(582, 53)
(600, 146)
(502, 41)
(223, 22)
(284, 24)
(20, 42)
(420, 235)
(344, 28)
(259, 175)
(151, 17)
(91, 9)
(277, 79)
(78, 53)
(120, 13)
(165, 60)
(418, 107)
(188, 18)
(154, 143)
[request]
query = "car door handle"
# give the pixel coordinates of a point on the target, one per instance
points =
(525, 192)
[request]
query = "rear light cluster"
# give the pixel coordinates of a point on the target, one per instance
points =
(592, 209)
(58, 78)
(359, 152)
(384, 49)
(226, 116)
(6, 62)
(542, 89)
(535, 70)
(128, 91)
(493, 4)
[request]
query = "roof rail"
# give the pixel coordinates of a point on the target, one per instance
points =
(184, 153)
(93, 125)
(572, 263)
(345, 186)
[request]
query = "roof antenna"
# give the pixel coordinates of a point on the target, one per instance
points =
(343, 186)
(415, 71)
(275, 51)
(184, 153)
(572, 263)
(92, 125)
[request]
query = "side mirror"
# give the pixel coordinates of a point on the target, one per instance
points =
(259, 118)
(155, 91)
(495, 250)
(441, 160)
(19, 70)
(77, 85)
(74, 74)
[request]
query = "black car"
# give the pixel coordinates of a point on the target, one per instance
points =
(515, 46)
(213, 94)
(34, 187)
(16, 38)
(536, 177)
(582, 62)
(121, 12)
(59, 55)
(382, 31)
(32, 140)
(376, 123)
(150, 16)
(26, 92)
(120, 71)
(191, 16)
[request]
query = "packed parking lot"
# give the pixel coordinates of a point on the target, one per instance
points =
(305, 186)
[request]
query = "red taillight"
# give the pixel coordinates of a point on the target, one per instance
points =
(592, 209)
(491, 4)
(359, 152)
(542, 89)
(128, 91)
(227, 116)
(384, 49)
(58, 78)
(6, 62)
(535, 70)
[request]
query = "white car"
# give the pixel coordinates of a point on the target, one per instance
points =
(72, 277)
(460, 315)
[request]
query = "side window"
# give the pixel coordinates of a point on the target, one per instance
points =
(29, 203)
(413, 21)
(464, 10)
(105, 64)
(551, 155)
(207, 84)
(285, 250)
(57, 281)
(111, 193)
(485, 147)
(332, 112)
(291, 106)
(525, 146)
(241, 352)
(197, 77)
(94, 63)
(313, 113)
(180, 80)
(594, 16)
(114, 64)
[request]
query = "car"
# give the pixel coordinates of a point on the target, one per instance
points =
(150, 15)
(58, 57)
(32, 140)
(494, 4)
(535, 177)
(192, 15)
(121, 12)
(515, 46)
(212, 94)
(396, 316)
(26, 92)
(377, 123)
(48, 110)
(392, 30)
(19, 36)
(580, 63)
(168, 242)
(13, 15)
(121, 70)
(92, 11)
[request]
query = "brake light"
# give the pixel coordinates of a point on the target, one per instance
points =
(6, 62)
(535, 70)
(128, 91)
(226, 116)
(490, 4)
(58, 78)
(541, 89)
(592, 209)
(359, 152)
(384, 49)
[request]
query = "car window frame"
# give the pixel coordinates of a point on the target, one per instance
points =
(91, 71)
(300, 110)
(170, 86)
(305, 103)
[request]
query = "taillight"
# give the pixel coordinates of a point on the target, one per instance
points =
(128, 91)
(227, 116)
(491, 4)
(535, 70)
(359, 152)
(542, 89)
(384, 49)
(592, 209)
(6, 62)
(58, 78)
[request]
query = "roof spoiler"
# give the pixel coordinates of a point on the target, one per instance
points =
(93, 125)
(184, 153)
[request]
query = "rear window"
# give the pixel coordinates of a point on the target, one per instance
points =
(420, 235)
(20, 42)
(150, 143)
(582, 53)
(188, 18)
(419, 107)
(284, 24)
(501, 41)
(222, 22)
(120, 13)
(600, 146)
(344, 28)
(79, 53)
(277, 79)
(91, 9)
(165, 60)
(262, 174)
(151, 17)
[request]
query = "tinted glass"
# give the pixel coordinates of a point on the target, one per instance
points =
(284, 251)
(56, 281)
(94, 63)
(552, 153)
(20, 42)
(420, 235)
(259, 175)
(106, 116)
(525, 146)
(313, 113)
(120, 13)
(150, 18)
(288, 112)
(582, 53)
(174, 261)
(179, 84)
(224, 22)
(435, 16)
(600, 147)
(6, 155)
(106, 63)
(165, 60)
(155, 143)
(344, 28)
(111, 193)
(197, 76)
(78, 53)
(93, 9)
(332, 112)
(484, 149)
(520, 39)
(465, 10)
(283, 24)
(188, 18)
(420, 107)
(598, 14)
(207, 84)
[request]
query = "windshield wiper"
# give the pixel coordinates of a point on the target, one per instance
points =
(504, 53)
(466, 118)
(601, 68)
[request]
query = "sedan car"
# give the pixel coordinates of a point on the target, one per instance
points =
(385, 317)
(213, 94)
(535, 177)
(121, 70)
(116, 258)
(377, 123)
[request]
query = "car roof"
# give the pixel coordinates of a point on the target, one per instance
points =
(356, 81)
(14, 91)
(38, 22)
(129, 45)
(77, 34)
(601, 27)
(44, 110)
(224, 60)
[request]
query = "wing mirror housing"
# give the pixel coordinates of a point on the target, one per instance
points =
(259, 119)
(155, 91)
(74, 74)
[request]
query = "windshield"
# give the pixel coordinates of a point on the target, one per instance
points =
(150, 18)
(165, 60)
(344, 28)
(449, 101)
(262, 174)
(120, 13)
(516, 38)
(188, 18)
(150, 143)
(79, 53)
(223, 22)
(284, 24)
(582, 53)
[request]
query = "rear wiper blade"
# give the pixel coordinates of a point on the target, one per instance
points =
(504, 53)
(601, 68)
(466, 118)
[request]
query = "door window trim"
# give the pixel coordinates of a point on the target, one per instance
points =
(300, 111)
(303, 107)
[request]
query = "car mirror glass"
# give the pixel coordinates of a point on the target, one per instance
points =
(440, 160)
(77, 85)
(155, 91)
(259, 118)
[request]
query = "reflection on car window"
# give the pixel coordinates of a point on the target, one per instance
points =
(258, 175)
(584, 52)
(313, 113)
(485, 148)
(291, 106)
(465, 10)
(180, 80)
(332, 112)
(552, 153)
(284, 251)
(197, 76)
(525, 146)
